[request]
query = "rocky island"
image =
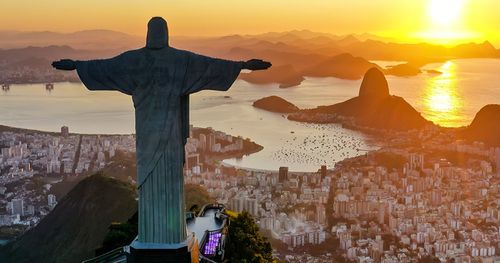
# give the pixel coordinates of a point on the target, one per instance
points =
(403, 70)
(374, 108)
(343, 66)
(286, 76)
(275, 104)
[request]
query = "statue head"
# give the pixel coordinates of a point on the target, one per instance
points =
(157, 33)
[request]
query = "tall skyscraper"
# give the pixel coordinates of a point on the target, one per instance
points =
(64, 131)
(283, 174)
(416, 161)
(210, 142)
(323, 172)
(381, 213)
(320, 214)
(51, 201)
(203, 142)
(436, 197)
(244, 203)
(18, 207)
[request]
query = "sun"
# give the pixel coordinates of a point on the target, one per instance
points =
(445, 13)
(446, 22)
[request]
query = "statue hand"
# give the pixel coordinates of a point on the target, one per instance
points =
(64, 64)
(256, 64)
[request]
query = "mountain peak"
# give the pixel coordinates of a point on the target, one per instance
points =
(374, 84)
(347, 40)
(275, 104)
(485, 126)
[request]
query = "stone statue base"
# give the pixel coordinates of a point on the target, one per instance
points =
(164, 253)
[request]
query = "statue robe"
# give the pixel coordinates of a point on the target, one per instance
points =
(160, 81)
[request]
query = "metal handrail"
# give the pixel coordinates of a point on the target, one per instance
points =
(206, 259)
(106, 256)
(205, 207)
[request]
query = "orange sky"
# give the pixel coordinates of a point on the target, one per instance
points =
(407, 20)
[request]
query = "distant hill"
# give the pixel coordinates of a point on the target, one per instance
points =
(317, 54)
(473, 50)
(33, 64)
(486, 126)
(374, 108)
(52, 53)
(295, 54)
(343, 66)
(286, 76)
(348, 40)
(403, 70)
(87, 39)
(275, 104)
(4, 128)
(77, 225)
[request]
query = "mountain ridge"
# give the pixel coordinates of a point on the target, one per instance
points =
(77, 225)
(308, 53)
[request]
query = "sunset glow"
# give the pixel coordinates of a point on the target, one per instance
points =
(447, 23)
(436, 21)
(445, 12)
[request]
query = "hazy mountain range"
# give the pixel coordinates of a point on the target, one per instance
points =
(107, 39)
(294, 54)
(88, 39)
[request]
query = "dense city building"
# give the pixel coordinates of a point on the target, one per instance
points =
(436, 200)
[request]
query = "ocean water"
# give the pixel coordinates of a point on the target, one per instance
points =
(448, 99)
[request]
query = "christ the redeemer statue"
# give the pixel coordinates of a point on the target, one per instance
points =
(160, 78)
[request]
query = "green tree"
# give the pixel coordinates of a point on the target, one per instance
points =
(246, 244)
(119, 235)
(197, 195)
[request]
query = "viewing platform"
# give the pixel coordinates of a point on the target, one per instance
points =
(208, 229)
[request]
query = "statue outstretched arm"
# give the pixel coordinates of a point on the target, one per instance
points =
(102, 74)
(64, 64)
(256, 64)
(206, 73)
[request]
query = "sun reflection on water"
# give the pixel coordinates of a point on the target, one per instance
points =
(441, 98)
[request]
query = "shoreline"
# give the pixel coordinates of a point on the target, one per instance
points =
(6, 128)
(225, 164)
(222, 158)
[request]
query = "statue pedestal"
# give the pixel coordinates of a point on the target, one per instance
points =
(164, 253)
